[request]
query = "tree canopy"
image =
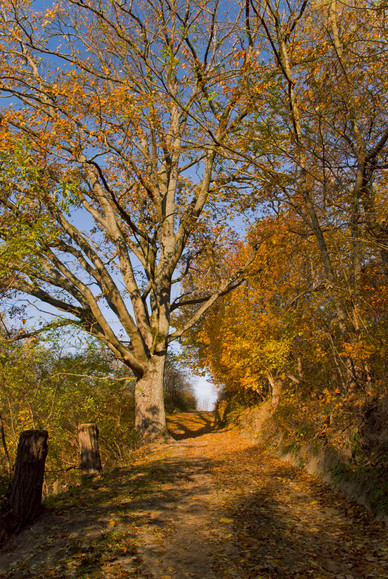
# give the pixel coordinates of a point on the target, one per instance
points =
(318, 151)
(112, 148)
(134, 134)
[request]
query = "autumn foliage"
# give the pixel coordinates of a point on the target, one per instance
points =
(139, 144)
(307, 330)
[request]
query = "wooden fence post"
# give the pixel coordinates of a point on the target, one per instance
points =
(24, 503)
(90, 462)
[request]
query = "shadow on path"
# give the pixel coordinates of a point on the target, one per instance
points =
(115, 524)
(220, 508)
(191, 424)
(287, 524)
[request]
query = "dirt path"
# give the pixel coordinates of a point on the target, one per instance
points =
(210, 505)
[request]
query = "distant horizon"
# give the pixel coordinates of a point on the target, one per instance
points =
(205, 392)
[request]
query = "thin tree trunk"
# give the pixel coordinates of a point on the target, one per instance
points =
(337, 360)
(308, 210)
(90, 460)
(24, 503)
(5, 447)
(150, 414)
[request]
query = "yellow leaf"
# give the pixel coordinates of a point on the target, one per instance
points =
(227, 521)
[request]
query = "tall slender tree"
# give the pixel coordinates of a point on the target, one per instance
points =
(326, 134)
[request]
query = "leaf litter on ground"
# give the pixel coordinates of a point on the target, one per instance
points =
(210, 504)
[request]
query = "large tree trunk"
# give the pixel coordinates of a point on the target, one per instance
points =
(24, 503)
(150, 414)
(90, 461)
(277, 388)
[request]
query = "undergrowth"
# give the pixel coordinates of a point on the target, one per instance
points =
(346, 435)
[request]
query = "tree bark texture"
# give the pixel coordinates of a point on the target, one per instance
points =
(277, 387)
(24, 503)
(90, 460)
(149, 400)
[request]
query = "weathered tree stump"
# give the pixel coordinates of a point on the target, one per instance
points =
(24, 503)
(90, 462)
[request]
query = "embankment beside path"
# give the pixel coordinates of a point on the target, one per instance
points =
(358, 469)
